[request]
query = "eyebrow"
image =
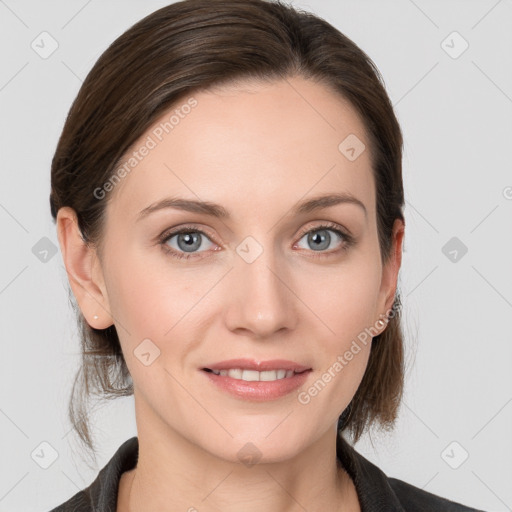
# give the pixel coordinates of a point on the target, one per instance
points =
(216, 210)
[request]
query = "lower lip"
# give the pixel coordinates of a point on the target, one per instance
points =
(259, 391)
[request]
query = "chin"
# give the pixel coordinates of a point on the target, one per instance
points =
(251, 448)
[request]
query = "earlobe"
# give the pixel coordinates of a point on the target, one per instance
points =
(83, 270)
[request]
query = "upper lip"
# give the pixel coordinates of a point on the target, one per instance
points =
(252, 364)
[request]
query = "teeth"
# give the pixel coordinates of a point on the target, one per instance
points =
(253, 375)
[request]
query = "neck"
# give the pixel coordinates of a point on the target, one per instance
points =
(174, 474)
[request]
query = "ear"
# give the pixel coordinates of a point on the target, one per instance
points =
(390, 273)
(84, 271)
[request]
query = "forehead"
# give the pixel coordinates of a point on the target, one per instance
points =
(248, 145)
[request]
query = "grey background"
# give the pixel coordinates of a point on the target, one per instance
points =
(455, 111)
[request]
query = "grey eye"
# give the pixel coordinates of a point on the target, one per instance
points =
(189, 241)
(320, 239)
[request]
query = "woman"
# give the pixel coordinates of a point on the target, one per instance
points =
(228, 198)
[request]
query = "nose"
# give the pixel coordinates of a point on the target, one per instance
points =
(261, 299)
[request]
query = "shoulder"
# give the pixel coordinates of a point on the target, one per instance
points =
(378, 492)
(414, 498)
(101, 495)
(80, 502)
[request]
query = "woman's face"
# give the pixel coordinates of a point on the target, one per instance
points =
(263, 282)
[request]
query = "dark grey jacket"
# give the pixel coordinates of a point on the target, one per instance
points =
(377, 492)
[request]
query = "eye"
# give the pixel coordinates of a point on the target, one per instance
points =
(185, 242)
(188, 241)
(320, 239)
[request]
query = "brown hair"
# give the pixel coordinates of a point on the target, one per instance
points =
(190, 46)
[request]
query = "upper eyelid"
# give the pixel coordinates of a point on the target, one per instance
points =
(329, 225)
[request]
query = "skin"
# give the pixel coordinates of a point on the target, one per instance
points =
(256, 149)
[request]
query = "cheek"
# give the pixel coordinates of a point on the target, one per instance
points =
(345, 301)
(152, 304)
(147, 293)
(161, 302)
(343, 350)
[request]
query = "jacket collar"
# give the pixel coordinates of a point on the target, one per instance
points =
(372, 485)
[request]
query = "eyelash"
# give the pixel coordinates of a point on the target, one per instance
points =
(347, 240)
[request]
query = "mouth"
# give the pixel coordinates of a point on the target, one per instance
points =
(252, 370)
(255, 375)
(257, 381)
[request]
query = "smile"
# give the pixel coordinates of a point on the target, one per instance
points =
(254, 375)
